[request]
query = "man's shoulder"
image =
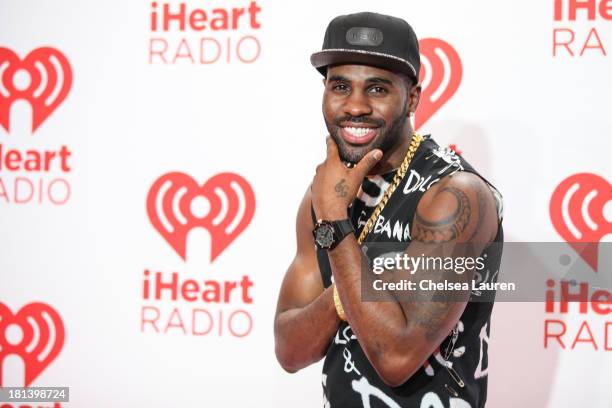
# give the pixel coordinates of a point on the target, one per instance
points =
(454, 170)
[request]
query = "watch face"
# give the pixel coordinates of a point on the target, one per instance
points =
(324, 235)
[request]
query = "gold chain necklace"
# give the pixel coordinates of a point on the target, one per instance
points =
(399, 175)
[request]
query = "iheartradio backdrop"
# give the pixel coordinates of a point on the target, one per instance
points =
(151, 169)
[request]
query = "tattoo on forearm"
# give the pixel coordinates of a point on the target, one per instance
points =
(341, 188)
(446, 229)
(429, 316)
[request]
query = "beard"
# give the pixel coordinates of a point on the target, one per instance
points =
(388, 136)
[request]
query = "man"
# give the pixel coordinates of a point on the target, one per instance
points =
(381, 183)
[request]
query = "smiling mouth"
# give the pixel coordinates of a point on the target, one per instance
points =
(358, 135)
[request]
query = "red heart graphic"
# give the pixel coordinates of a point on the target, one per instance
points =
(42, 337)
(441, 73)
(577, 213)
(226, 201)
(43, 78)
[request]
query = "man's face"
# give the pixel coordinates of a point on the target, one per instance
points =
(365, 108)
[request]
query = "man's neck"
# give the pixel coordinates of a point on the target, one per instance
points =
(394, 157)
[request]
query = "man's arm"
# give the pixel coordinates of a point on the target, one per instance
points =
(306, 318)
(398, 336)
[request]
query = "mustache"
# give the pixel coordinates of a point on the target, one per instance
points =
(360, 119)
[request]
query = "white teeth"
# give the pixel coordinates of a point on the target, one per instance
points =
(357, 132)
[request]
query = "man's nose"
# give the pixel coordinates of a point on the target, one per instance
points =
(357, 104)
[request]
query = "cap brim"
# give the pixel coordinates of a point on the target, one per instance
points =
(322, 59)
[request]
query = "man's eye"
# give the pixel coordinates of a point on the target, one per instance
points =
(340, 87)
(378, 90)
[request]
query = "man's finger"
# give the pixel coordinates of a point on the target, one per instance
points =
(368, 161)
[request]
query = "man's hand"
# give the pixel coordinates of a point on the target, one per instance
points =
(335, 186)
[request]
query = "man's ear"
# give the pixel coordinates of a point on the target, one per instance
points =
(414, 97)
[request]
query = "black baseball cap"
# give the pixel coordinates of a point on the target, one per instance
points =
(373, 39)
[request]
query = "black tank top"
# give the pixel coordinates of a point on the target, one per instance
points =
(349, 380)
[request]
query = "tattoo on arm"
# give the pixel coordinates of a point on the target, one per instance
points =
(470, 211)
(429, 316)
(446, 229)
(341, 188)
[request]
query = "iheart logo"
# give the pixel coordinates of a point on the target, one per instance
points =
(35, 333)
(577, 213)
(441, 73)
(43, 78)
(224, 205)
